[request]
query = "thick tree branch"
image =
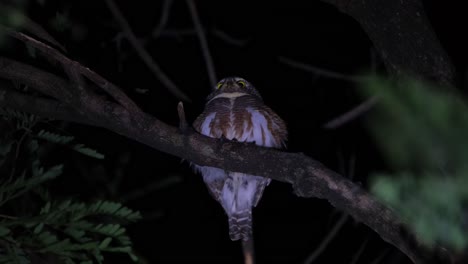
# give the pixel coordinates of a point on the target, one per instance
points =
(403, 37)
(308, 177)
(69, 64)
(43, 107)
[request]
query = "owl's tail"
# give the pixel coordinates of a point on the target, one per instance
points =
(240, 225)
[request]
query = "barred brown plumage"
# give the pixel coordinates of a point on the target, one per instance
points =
(235, 111)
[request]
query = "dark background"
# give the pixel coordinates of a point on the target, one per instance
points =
(182, 223)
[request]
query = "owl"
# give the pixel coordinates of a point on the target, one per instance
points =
(235, 111)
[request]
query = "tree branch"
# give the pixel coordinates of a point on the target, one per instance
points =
(107, 86)
(43, 107)
(403, 37)
(351, 114)
(164, 18)
(203, 42)
(321, 72)
(308, 177)
(144, 55)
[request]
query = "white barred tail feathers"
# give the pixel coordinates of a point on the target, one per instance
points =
(240, 225)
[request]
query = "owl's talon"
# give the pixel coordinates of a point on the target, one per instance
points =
(223, 139)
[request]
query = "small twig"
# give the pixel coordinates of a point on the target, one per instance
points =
(203, 43)
(320, 71)
(358, 253)
(228, 38)
(380, 257)
(311, 258)
(166, 7)
(17, 150)
(8, 217)
(351, 114)
(144, 55)
(107, 86)
(183, 125)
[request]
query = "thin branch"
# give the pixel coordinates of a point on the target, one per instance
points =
(203, 43)
(319, 71)
(144, 55)
(107, 86)
(351, 114)
(164, 18)
(326, 241)
(359, 252)
(380, 257)
(228, 38)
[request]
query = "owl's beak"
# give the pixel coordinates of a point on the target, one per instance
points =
(230, 83)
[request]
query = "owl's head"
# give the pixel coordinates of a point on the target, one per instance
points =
(231, 85)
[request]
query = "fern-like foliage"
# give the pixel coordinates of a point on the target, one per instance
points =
(52, 230)
(72, 231)
(15, 188)
(20, 119)
(66, 140)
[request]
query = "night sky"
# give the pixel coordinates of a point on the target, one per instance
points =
(182, 222)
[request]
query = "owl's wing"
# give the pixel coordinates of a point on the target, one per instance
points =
(267, 128)
(213, 177)
(262, 182)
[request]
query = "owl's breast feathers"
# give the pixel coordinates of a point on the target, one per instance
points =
(241, 117)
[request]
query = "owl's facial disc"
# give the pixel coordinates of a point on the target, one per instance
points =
(232, 87)
(231, 83)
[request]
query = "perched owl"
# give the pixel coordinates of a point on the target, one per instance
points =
(235, 111)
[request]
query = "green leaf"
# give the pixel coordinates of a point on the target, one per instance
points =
(46, 208)
(133, 257)
(47, 238)
(105, 243)
(54, 138)
(87, 151)
(38, 228)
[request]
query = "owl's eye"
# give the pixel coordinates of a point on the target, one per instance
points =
(241, 83)
(219, 85)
